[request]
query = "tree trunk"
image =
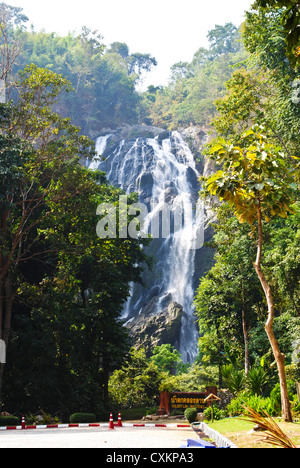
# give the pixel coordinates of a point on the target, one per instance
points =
(279, 356)
(298, 390)
(246, 342)
(6, 306)
(105, 385)
(1, 380)
(245, 332)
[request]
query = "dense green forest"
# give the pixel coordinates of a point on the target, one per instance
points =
(256, 147)
(103, 77)
(62, 289)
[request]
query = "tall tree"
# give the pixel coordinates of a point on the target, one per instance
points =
(48, 209)
(224, 39)
(290, 23)
(38, 149)
(11, 23)
(257, 184)
(229, 294)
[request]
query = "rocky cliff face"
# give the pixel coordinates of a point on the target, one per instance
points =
(150, 329)
(164, 168)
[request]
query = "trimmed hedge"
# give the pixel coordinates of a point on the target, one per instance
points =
(6, 421)
(191, 414)
(82, 418)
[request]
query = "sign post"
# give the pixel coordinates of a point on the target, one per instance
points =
(211, 399)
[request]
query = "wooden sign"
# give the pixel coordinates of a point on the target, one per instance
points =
(188, 400)
(212, 398)
(182, 401)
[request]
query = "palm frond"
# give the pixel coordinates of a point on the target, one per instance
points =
(274, 435)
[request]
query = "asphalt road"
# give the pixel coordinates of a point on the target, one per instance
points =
(123, 438)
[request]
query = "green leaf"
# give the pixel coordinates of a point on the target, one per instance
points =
(215, 149)
(248, 133)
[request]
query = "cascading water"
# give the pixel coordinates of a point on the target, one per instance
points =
(163, 172)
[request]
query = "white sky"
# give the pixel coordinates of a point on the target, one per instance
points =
(170, 30)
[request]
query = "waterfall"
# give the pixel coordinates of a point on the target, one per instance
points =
(163, 172)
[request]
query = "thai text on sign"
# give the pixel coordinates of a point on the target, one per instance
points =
(188, 400)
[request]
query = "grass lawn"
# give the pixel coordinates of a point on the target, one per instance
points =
(240, 432)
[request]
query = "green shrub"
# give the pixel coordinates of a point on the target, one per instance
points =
(295, 406)
(257, 378)
(78, 418)
(218, 413)
(9, 421)
(133, 414)
(258, 403)
(234, 379)
(191, 414)
(275, 395)
(41, 419)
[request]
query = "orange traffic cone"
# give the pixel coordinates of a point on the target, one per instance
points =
(111, 422)
(23, 423)
(119, 421)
